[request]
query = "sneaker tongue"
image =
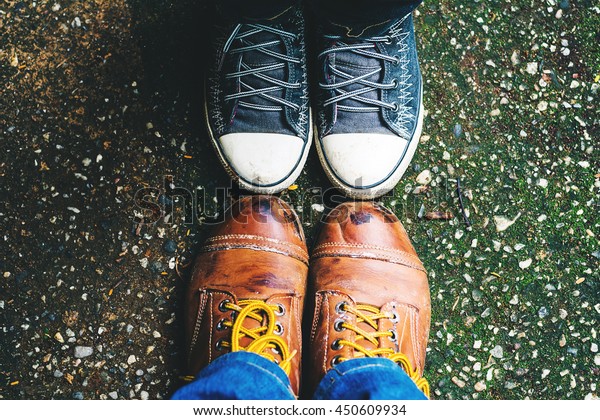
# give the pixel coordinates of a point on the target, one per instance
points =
(249, 120)
(357, 65)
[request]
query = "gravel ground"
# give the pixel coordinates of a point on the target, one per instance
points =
(102, 134)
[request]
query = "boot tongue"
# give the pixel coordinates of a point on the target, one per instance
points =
(368, 329)
(253, 324)
(357, 65)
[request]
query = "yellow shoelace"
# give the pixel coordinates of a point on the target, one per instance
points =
(265, 341)
(369, 315)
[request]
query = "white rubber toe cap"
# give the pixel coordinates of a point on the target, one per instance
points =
(363, 159)
(263, 159)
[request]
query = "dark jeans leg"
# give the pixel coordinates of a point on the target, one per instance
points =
(253, 9)
(361, 14)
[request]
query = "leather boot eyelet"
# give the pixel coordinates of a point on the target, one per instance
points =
(396, 61)
(394, 337)
(335, 361)
(280, 310)
(339, 307)
(396, 107)
(221, 325)
(278, 328)
(219, 345)
(222, 306)
(395, 84)
(338, 325)
(336, 345)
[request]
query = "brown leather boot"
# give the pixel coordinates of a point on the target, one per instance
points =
(371, 293)
(248, 286)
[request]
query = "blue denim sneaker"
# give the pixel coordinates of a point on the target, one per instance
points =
(370, 113)
(256, 105)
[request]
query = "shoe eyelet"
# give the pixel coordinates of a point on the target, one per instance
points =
(219, 345)
(278, 329)
(338, 325)
(280, 310)
(336, 345)
(222, 306)
(396, 61)
(395, 108)
(394, 337)
(395, 84)
(388, 40)
(221, 325)
(339, 307)
(335, 361)
(395, 318)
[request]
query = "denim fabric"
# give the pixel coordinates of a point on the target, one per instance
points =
(248, 376)
(358, 13)
(238, 376)
(368, 379)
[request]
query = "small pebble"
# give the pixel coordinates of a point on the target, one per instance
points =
(525, 264)
(497, 352)
(144, 395)
(532, 68)
(320, 208)
(424, 177)
(503, 222)
(458, 382)
(457, 130)
(170, 246)
(562, 341)
(83, 351)
(480, 386)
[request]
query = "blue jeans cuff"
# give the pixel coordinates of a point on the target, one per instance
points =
(368, 379)
(238, 376)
